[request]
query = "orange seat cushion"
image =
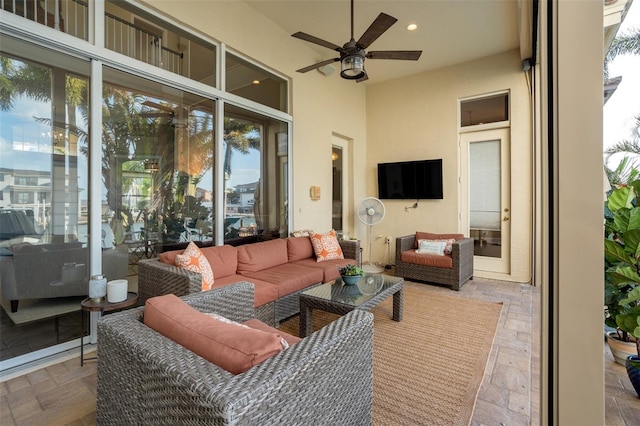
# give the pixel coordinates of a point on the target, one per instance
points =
(228, 346)
(410, 256)
(299, 248)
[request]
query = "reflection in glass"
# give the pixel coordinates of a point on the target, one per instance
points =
(255, 177)
(44, 199)
(157, 166)
(485, 198)
(252, 82)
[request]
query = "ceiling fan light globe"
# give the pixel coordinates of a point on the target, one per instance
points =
(352, 67)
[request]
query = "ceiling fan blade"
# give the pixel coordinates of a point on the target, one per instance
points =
(375, 30)
(152, 114)
(316, 40)
(408, 55)
(157, 106)
(318, 65)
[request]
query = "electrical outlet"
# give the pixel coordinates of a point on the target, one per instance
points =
(388, 240)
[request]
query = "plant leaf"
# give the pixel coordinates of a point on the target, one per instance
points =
(623, 275)
(615, 252)
(620, 198)
(632, 296)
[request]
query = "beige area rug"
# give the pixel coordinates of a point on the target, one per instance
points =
(429, 367)
(37, 309)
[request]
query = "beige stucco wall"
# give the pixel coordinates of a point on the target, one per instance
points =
(575, 293)
(416, 118)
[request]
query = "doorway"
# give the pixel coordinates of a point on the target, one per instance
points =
(341, 187)
(485, 192)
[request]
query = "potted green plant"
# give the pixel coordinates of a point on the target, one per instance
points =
(350, 274)
(622, 267)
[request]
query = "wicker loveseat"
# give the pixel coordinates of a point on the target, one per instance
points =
(452, 270)
(145, 378)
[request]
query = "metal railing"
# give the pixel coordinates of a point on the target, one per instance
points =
(68, 16)
(72, 17)
(135, 42)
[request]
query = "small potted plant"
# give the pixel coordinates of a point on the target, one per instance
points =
(350, 274)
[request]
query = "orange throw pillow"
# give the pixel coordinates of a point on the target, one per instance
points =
(326, 246)
(193, 260)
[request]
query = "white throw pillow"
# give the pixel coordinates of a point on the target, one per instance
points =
(431, 247)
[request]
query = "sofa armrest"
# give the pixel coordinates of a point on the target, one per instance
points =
(404, 243)
(351, 249)
(233, 301)
(335, 362)
(139, 370)
(462, 250)
(156, 279)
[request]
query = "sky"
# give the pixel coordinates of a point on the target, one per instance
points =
(620, 110)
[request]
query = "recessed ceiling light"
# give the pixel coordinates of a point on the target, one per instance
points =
(256, 81)
(412, 27)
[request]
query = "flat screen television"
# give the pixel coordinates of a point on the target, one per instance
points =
(418, 180)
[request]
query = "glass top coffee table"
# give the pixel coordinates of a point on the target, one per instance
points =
(340, 298)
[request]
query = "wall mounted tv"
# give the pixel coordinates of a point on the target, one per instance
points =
(418, 180)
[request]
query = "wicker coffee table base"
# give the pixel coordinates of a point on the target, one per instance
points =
(308, 303)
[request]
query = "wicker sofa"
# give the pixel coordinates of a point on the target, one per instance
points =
(452, 270)
(145, 378)
(279, 269)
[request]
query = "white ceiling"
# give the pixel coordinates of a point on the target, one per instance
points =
(449, 31)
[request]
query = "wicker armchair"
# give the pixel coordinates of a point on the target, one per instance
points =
(145, 378)
(460, 273)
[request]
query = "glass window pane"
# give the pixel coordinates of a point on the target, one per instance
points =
(490, 109)
(44, 203)
(158, 148)
(255, 177)
(68, 16)
(484, 197)
(257, 84)
(134, 33)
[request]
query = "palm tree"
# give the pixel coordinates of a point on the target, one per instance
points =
(628, 168)
(627, 43)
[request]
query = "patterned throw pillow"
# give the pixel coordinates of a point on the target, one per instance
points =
(436, 247)
(326, 246)
(448, 249)
(193, 260)
(302, 233)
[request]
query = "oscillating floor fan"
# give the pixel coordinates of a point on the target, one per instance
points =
(370, 212)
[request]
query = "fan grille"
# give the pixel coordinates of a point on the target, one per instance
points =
(371, 211)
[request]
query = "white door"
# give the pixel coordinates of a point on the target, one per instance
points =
(485, 191)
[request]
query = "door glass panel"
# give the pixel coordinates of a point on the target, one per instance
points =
(44, 185)
(336, 218)
(157, 167)
(255, 177)
(484, 197)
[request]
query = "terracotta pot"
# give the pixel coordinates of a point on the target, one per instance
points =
(620, 349)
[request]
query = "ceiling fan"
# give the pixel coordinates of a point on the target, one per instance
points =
(353, 53)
